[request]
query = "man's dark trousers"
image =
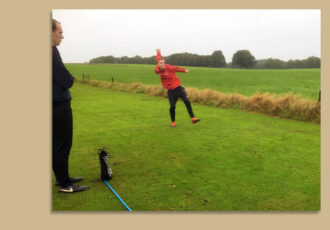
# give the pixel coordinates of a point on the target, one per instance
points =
(62, 141)
(173, 96)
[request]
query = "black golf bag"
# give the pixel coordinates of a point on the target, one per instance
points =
(106, 173)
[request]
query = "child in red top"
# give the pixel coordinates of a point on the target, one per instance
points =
(172, 83)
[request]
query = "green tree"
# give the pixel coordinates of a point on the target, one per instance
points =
(313, 62)
(125, 60)
(243, 59)
(271, 63)
(137, 60)
(109, 59)
(217, 59)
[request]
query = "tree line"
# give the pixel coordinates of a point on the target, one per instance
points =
(241, 59)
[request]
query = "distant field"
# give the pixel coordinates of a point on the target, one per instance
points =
(305, 82)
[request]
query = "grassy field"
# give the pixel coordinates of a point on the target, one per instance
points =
(232, 160)
(305, 82)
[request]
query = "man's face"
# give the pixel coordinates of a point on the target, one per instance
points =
(57, 35)
(161, 64)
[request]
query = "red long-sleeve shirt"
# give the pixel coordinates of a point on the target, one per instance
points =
(167, 75)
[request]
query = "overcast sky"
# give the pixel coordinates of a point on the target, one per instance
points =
(283, 34)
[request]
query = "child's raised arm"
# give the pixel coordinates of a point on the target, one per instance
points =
(159, 56)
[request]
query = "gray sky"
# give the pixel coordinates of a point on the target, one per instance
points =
(283, 34)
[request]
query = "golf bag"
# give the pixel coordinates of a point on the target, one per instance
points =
(106, 173)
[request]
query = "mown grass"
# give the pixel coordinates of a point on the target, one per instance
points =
(301, 82)
(230, 161)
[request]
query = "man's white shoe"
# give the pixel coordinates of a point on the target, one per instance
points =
(73, 188)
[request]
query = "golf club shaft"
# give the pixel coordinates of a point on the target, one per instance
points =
(117, 195)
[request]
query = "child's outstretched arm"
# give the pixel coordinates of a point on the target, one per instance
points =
(177, 69)
(159, 56)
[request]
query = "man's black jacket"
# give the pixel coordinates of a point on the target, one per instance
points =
(62, 79)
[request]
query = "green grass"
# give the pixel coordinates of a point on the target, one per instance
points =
(305, 82)
(230, 161)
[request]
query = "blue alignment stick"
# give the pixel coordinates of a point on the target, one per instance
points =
(117, 195)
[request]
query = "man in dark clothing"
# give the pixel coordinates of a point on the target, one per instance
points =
(62, 117)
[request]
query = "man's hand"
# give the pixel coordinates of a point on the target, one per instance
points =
(157, 50)
(186, 70)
